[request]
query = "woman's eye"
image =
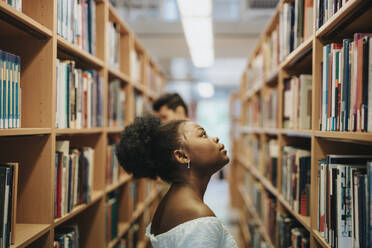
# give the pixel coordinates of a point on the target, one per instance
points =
(204, 134)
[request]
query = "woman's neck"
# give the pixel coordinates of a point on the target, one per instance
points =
(196, 184)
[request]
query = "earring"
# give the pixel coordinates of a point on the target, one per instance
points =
(188, 165)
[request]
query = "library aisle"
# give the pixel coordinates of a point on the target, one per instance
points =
(286, 85)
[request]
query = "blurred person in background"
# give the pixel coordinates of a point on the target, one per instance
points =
(169, 107)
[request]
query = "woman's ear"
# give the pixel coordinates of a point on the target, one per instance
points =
(180, 156)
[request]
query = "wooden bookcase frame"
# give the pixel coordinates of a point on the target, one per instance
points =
(32, 35)
(353, 17)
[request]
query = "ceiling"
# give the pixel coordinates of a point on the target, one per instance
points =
(236, 30)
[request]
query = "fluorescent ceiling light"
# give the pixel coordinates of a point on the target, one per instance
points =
(205, 90)
(202, 57)
(198, 31)
(196, 17)
(195, 7)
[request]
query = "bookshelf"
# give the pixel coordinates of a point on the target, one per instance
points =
(32, 35)
(250, 135)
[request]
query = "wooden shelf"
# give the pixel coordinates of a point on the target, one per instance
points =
(122, 229)
(122, 180)
(251, 92)
(307, 58)
(119, 75)
(24, 22)
(76, 52)
(27, 233)
(298, 53)
(96, 196)
(67, 131)
(140, 87)
(253, 212)
(345, 136)
(33, 36)
(25, 131)
(304, 220)
(320, 239)
(298, 133)
(114, 129)
(272, 79)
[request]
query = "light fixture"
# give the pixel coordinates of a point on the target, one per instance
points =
(196, 17)
(205, 89)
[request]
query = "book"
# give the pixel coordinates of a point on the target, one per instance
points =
(10, 98)
(8, 203)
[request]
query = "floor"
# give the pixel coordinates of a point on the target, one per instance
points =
(217, 198)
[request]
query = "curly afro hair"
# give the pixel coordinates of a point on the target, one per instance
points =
(146, 148)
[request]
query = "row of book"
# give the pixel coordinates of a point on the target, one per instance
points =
(116, 104)
(8, 202)
(346, 84)
(76, 22)
(112, 166)
(112, 216)
(79, 97)
(17, 4)
(345, 186)
(326, 9)
(297, 102)
(296, 179)
(112, 47)
(73, 177)
(295, 25)
(270, 156)
(290, 233)
(10, 90)
(67, 236)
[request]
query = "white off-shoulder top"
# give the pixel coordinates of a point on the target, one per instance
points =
(205, 232)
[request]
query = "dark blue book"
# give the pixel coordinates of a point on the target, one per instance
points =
(2, 201)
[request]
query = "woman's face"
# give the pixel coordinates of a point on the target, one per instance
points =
(204, 152)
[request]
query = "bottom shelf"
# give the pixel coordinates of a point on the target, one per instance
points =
(28, 233)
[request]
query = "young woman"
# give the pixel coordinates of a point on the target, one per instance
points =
(181, 153)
